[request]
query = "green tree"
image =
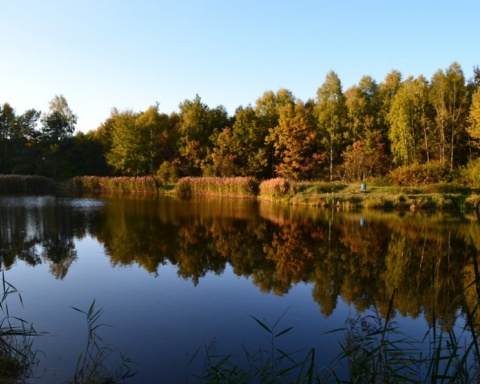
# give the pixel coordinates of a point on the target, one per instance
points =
(364, 108)
(59, 123)
(58, 126)
(331, 111)
(387, 90)
(449, 98)
(85, 156)
(153, 128)
(267, 110)
(26, 157)
(410, 122)
(127, 155)
(7, 119)
(249, 136)
(224, 158)
(135, 141)
(198, 127)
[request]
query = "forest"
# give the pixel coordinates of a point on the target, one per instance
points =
(367, 131)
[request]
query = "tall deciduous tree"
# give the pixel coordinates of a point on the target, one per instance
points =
(388, 89)
(59, 123)
(294, 142)
(267, 111)
(364, 108)
(25, 141)
(365, 158)
(474, 119)
(448, 96)
(410, 122)
(7, 120)
(152, 127)
(127, 155)
(241, 150)
(331, 112)
(197, 126)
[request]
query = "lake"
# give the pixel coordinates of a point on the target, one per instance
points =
(176, 276)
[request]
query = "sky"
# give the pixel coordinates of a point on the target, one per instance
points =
(131, 54)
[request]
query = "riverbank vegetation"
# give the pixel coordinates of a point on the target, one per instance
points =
(377, 194)
(96, 184)
(370, 130)
(16, 353)
(26, 184)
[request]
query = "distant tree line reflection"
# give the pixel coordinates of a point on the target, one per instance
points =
(358, 258)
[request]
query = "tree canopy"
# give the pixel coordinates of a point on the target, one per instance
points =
(365, 131)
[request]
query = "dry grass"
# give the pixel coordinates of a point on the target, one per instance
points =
(96, 184)
(217, 186)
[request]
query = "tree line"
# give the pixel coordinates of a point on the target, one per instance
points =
(363, 132)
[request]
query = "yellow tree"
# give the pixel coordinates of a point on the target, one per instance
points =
(410, 123)
(473, 128)
(449, 98)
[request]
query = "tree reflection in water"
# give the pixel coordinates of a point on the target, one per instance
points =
(358, 257)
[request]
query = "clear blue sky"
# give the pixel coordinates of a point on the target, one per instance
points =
(130, 54)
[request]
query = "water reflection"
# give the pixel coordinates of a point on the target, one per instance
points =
(360, 258)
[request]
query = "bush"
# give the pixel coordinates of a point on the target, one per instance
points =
(274, 188)
(379, 181)
(470, 174)
(167, 173)
(422, 174)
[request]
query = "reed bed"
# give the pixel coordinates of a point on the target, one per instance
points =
(217, 186)
(96, 184)
(26, 184)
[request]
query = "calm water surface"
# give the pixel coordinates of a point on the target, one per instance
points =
(174, 275)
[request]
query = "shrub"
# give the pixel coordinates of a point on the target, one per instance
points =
(473, 202)
(183, 187)
(470, 174)
(422, 174)
(274, 188)
(379, 181)
(167, 173)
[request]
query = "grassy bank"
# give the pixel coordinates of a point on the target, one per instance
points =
(350, 196)
(376, 195)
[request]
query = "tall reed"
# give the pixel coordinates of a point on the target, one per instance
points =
(17, 356)
(91, 363)
(217, 186)
(270, 365)
(96, 184)
(26, 184)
